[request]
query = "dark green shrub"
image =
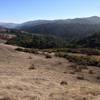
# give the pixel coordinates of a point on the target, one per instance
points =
(34, 51)
(81, 60)
(61, 54)
(19, 49)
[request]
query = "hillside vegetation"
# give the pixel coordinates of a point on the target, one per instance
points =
(92, 41)
(37, 41)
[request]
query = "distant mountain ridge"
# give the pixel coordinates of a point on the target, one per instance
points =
(68, 28)
(8, 25)
(89, 20)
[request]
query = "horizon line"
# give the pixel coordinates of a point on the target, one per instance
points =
(16, 22)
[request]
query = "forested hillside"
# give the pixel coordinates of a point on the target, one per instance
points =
(92, 41)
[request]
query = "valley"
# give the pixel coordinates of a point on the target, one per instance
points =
(50, 50)
(50, 60)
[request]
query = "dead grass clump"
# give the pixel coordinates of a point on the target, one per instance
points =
(83, 66)
(65, 72)
(63, 83)
(78, 69)
(83, 60)
(98, 77)
(34, 98)
(91, 72)
(32, 67)
(72, 72)
(5, 98)
(29, 57)
(59, 63)
(81, 77)
(48, 56)
(74, 66)
(80, 60)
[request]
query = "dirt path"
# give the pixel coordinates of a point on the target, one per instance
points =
(50, 79)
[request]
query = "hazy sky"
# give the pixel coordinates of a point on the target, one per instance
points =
(25, 10)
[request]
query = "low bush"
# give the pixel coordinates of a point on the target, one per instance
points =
(81, 60)
(34, 51)
(61, 54)
(87, 51)
(19, 49)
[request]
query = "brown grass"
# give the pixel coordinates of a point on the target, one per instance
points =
(48, 81)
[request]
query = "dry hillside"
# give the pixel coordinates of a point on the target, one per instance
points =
(25, 76)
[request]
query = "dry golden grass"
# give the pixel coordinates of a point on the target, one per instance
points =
(18, 82)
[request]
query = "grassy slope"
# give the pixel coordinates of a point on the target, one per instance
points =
(18, 82)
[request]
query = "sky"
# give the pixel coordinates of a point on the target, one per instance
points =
(18, 11)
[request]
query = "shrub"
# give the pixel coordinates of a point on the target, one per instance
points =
(87, 51)
(19, 49)
(61, 54)
(81, 60)
(34, 51)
